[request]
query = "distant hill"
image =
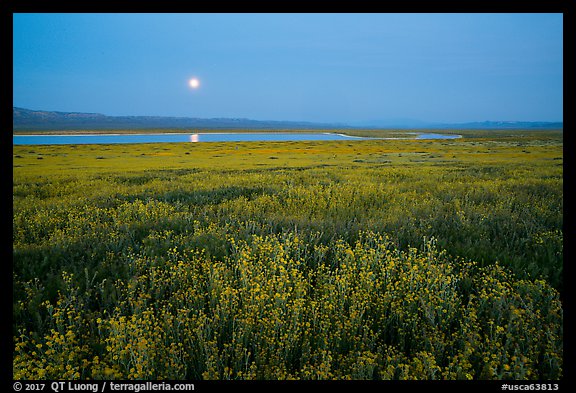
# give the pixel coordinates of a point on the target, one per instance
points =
(31, 120)
(499, 125)
(38, 120)
(485, 125)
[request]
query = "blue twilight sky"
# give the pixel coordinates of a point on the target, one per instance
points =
(313, 67)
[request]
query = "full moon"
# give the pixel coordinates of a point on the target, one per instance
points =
(194, 83)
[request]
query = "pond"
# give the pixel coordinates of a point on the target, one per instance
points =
(197, 137)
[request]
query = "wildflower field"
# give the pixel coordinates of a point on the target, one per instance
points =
(364, 259)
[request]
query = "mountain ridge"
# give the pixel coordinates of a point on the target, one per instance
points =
(40, 120)
(27, 119)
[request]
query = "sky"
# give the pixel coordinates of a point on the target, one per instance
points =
(336, 68)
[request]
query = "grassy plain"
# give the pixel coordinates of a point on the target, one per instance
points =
(377, 259)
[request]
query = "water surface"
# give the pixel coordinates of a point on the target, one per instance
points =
(199, 137)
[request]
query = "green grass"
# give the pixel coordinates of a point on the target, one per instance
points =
(377, 259)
